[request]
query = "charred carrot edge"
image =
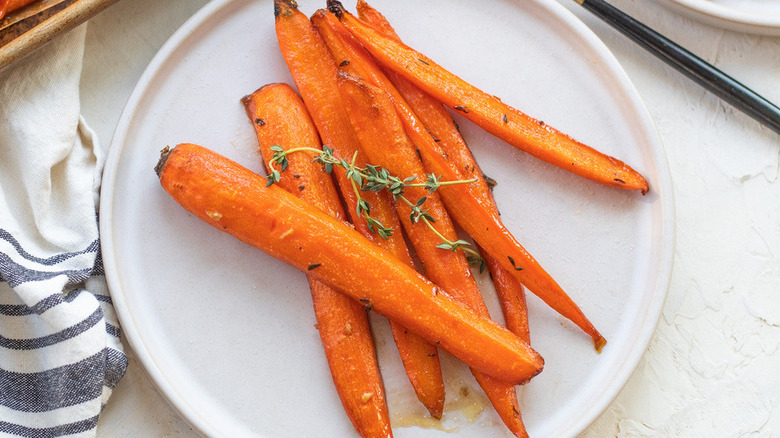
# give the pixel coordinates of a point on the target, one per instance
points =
(439, 123)
(314, 73)
(235, 200)
(280, 118)
(382, 135)
(482, 223)
(507, 123)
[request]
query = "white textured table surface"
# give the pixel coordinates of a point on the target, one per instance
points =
(711, 368)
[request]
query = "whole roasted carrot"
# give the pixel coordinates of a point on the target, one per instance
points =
(463, 202)
(314, 73)
(280, 120)
(507, 123)
(439, 123)
(235, 200)
(382, 136)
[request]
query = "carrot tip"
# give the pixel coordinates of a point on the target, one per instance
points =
(437, 409)
(336, 8)
(163, 157)
(599, 342)
(284, 7)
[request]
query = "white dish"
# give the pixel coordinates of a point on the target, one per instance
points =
(751, 16)
(227, 333)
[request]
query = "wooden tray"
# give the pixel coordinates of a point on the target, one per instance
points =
(26, 29)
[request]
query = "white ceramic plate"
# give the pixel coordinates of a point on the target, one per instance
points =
(227, 333)
(752, 16)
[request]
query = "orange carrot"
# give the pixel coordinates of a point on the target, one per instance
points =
(7, 6)
(511, 296)
(439, 123)
(309, 62)
(387, 145)
(487, 111)
(314, 73)
(280, 118)
(463, 201)
(236, 200)
(382, 136)
(432, 113)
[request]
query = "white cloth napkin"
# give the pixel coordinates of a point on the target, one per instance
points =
(60, 354)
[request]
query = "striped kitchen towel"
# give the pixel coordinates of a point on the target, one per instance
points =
(60, 354)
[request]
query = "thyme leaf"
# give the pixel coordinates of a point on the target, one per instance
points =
(373, 178)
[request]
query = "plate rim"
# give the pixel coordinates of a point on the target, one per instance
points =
(728, 18)
(131, 333)
(663, 190)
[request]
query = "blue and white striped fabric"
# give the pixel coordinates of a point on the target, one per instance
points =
(60, 354)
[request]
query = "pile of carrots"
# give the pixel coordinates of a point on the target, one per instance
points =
(377, 102)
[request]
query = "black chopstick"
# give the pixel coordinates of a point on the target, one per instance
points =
(701, 72)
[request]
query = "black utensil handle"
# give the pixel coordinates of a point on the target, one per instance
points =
(703, 73)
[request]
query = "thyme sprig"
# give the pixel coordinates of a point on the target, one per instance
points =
(375, 179)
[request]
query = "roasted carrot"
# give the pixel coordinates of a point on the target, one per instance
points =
(382, 136)
(509, 124)
(314, 73)
(511, 296)
(7, 6)
(309, 62)
(386, 144)
(463, 201)
(490, 234)
(236, 200)
(280, 119)
(439, 123)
